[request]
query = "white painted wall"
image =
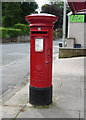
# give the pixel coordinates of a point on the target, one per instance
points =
(77, 31)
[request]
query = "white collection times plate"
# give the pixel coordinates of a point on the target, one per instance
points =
(39, 44)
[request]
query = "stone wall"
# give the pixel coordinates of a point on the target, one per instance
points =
(15, 39)
(69, 52)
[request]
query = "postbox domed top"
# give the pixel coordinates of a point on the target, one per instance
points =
(41, 19)
(41, 14)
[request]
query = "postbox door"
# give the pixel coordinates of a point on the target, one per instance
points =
(41, 62)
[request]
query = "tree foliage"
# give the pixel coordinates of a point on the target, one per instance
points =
(15, 12)
(27, 8)
(11, 13)
(55, 9)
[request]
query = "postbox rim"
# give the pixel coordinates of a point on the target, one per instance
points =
(41, 14)
(42, 19)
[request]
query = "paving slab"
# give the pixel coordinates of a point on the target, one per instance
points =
(70, 92)
(0, 112)
(71, 66)
(10, 112)
(19, 99)
(68, 84)
(69, 98)
(82, 114)
(47, 113)
(85, 115)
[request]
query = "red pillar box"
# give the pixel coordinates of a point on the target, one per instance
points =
(41, 28)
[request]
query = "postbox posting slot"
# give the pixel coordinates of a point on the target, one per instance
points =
(39, 32)
(36, 33)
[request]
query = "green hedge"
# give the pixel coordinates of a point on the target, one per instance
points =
(18, 29)
(10, 32)
(25, 28)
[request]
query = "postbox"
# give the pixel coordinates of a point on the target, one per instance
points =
(41, 28)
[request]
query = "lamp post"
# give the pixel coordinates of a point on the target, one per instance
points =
(64, 24)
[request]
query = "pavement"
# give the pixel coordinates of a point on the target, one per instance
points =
(68, 94)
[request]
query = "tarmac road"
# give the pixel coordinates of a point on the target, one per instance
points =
(15, 64)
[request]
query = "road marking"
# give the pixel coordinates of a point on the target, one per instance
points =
(8, 64)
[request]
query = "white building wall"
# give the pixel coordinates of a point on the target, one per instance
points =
(85, 34)
(77, 31)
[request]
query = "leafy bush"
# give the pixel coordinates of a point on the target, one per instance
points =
(54, 34)
(25, 28)
(10, 32)
(59, 32)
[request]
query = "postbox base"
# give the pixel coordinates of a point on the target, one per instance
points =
(40, 96)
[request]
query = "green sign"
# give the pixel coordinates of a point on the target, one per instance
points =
(77, 18)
